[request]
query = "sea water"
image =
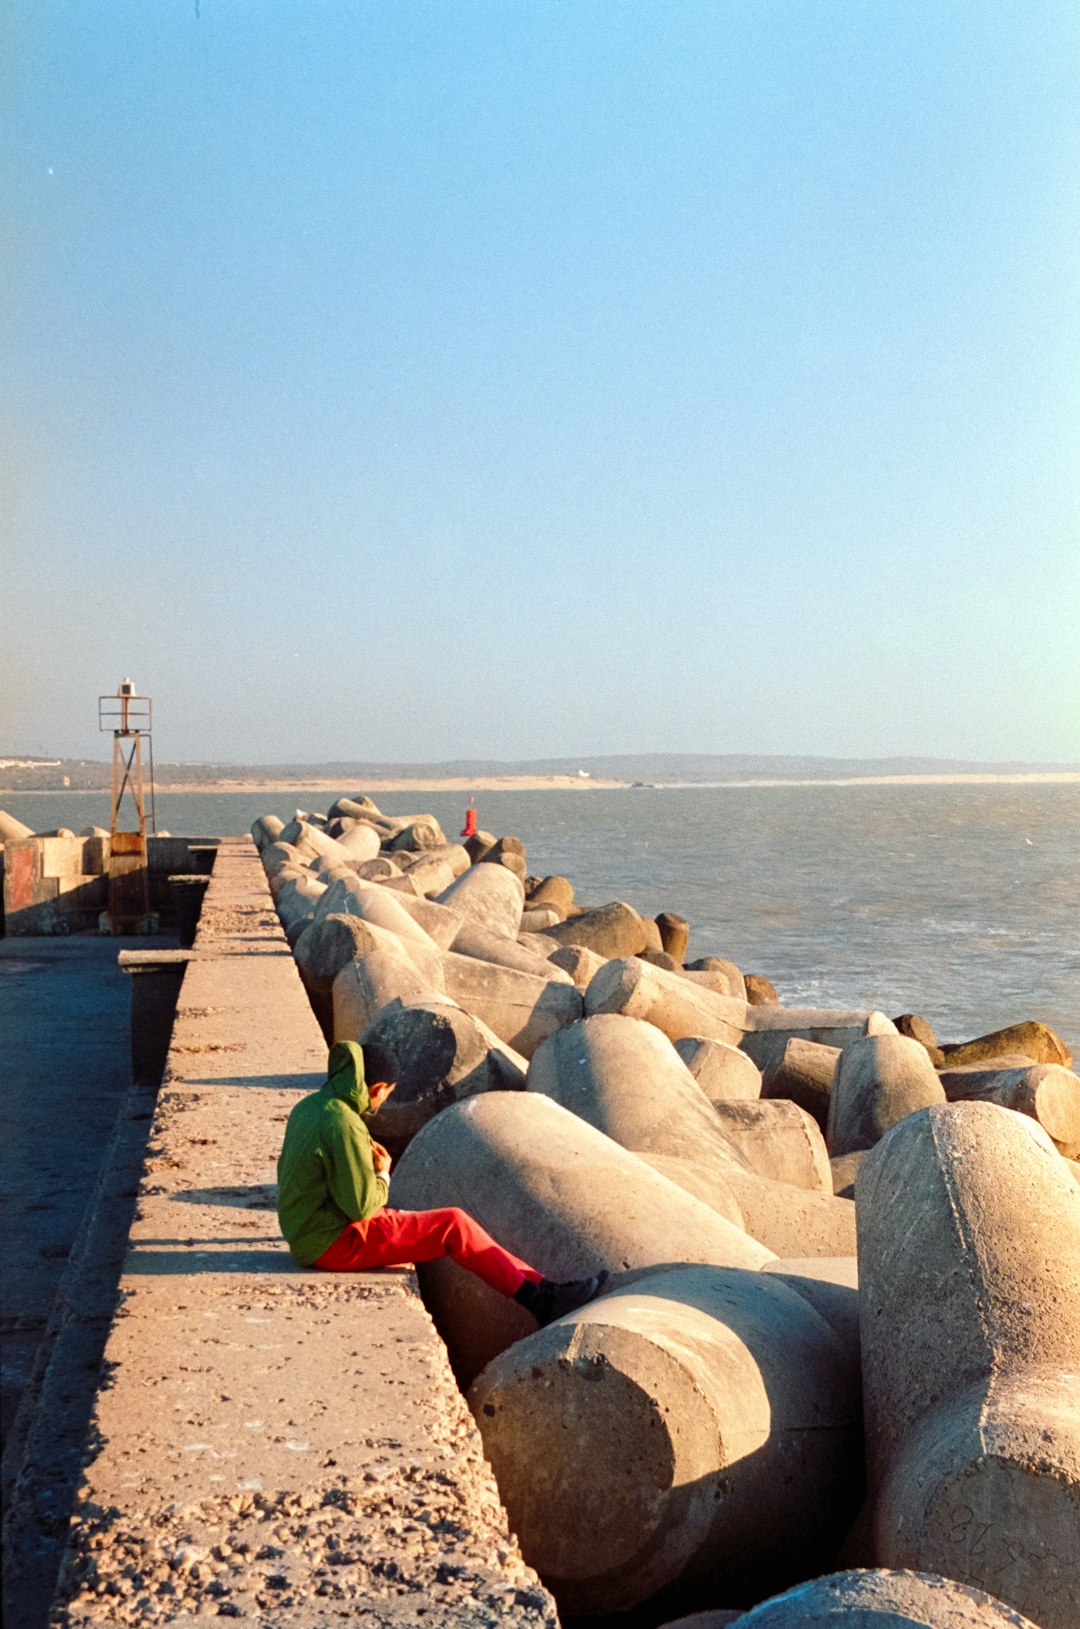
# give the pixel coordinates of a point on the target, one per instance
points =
(960, 902)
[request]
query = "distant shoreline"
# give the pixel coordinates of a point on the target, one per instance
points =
(548, 783)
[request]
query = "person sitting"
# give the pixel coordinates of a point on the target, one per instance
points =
(334, 1183)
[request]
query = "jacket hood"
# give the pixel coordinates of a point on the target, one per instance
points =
(345, 1075)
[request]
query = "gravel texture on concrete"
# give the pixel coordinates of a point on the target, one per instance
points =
(270, 1444)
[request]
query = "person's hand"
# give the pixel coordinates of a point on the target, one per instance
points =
(380, 1158)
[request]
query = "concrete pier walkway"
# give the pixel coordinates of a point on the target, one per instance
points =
(271, 1445)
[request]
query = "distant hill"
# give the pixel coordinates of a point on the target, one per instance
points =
(21, 774)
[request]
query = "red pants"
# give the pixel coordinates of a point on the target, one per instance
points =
(398, 1238)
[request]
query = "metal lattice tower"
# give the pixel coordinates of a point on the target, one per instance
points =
(129, 717)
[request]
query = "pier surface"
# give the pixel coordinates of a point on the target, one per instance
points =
(270, 1444)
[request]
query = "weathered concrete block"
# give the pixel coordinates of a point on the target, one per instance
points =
(360, 842)
(378, 869)
(717, 973)
(419, 832)
(674, 933)
(452, 855)
(439, 922)
(296, 895)
(969, 1239)
(13, 830)
(330, 943)
(1032, 1040)
(760, 991)
(354, 808)
(845, 1168)
(1047, 1092)
(266, 830)
(610, 930)
(522, 1008)
(724, 1073)
(490, 896)
(559, 1194)
(508, 852)
(578, 962)
(831, 1285)
(879, 1079)
(675, 1005)
(778, 1140)
(478, 844)
(625, 1078)
(537, 921)
(369, 983)
(557, 893)
(693, 1425)
(373, 903)
(483, 944)
(803, 1073)
(276, 855)
(769, 1028)
(628, 1081)
(444, 1055)
(878, 1599)
(789, 1221)
(311, 840)
(919, 1029)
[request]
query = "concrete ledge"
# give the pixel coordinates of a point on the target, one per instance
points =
(272, 1445)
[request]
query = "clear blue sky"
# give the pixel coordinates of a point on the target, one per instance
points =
(434, 378)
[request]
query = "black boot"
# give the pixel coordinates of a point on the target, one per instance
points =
(549, 1299)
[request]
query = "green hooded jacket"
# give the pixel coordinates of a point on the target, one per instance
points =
(326, 1175)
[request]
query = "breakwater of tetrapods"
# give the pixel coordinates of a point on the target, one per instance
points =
(844, 1325)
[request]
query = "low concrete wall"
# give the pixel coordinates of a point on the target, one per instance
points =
(272, 1444)
(61, 884)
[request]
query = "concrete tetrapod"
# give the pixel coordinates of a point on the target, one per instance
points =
(719, 974)
(489, 895)
(266, 829)
(778, 1140)
(724, 1073)
(360, 842)
(444, 1055)
(354, 897)
(419, 832)
(969, 1240)
(368, 983)
(624, 1077)
(610, 930)
(559, 1194)
(321, 951)
(581, 964)
(276, 855)
(431, 876)
(439, 922)
(297, 896)
(311, 840)
(769, 1029)
(803, 1073)
(357, 808)
(831, 1285)
(1034, 1040)
(1048, 1092)
(522, 1008)
(13, 830)
(471, 939)
(673, 1004)
(880, 1599)
(879, 1079)
(691, 1427)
